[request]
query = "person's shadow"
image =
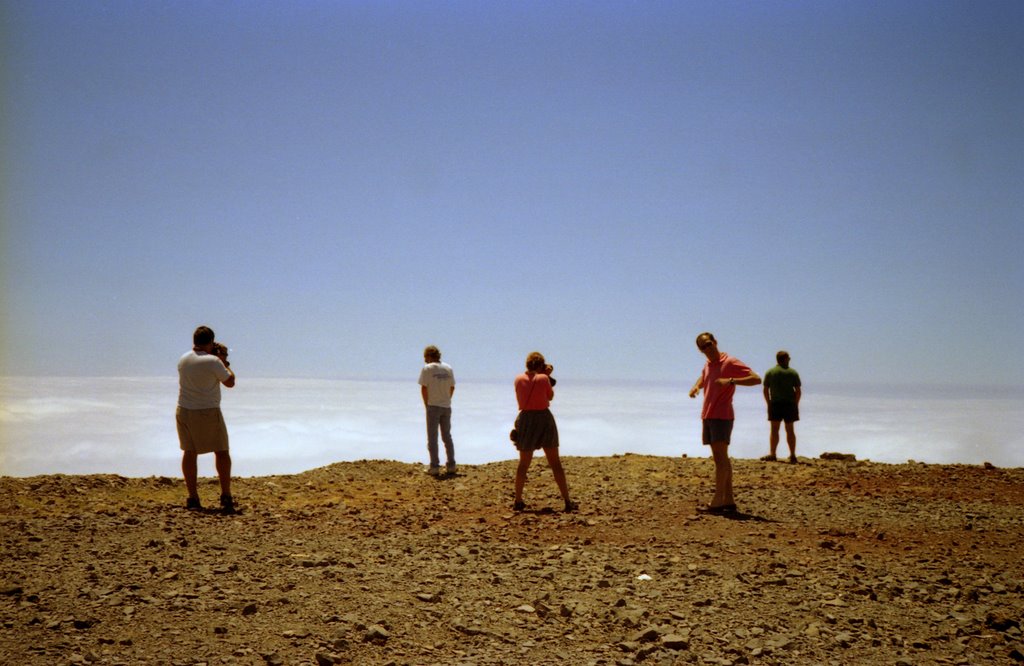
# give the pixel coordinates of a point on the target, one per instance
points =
(746, 517)
(540, 511)
(215, 511)
(736, 515)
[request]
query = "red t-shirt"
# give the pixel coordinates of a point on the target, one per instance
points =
(718, 399)
(534, 393)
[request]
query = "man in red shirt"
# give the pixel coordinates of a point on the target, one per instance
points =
(718, 380)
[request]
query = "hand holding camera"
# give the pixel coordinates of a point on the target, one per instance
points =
(548, 369)
(221, 352)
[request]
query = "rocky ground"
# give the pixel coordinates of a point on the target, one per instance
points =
(829, 562)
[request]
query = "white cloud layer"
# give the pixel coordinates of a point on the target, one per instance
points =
(278, 426)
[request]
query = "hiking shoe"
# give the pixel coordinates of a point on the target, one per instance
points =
(193, 504)
(227, 505)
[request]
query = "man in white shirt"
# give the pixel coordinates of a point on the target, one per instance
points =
(437, 384)
(201, 427)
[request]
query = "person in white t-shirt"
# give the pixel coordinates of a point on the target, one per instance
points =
(201, 427)
(437, 384)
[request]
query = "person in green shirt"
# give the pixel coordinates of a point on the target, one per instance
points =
(782, 394)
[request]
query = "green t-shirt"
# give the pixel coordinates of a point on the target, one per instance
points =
(782, 384)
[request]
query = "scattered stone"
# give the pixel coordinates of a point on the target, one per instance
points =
(372, 563)
(1001, 621)
(676, 641)
(844, 457)
(647, 635)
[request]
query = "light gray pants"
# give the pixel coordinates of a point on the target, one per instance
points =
(440, 417)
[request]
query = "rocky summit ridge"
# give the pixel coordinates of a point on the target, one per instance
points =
(374, 562)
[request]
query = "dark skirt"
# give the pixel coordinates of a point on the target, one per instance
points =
(537, 430)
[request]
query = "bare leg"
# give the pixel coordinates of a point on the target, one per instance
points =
(190, 470)
(723, 474)
(773, 437)
(224, 471)
(791, 439)
(525, 458)
(555, 463)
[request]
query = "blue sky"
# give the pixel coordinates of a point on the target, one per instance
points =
(333, 185)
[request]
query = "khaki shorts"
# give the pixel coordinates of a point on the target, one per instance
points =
(202, 430)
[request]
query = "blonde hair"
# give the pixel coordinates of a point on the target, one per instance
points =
(535, 361)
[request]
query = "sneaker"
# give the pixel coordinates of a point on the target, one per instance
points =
(434, 471)
(193, 504)
(227, 504)
(450, 468)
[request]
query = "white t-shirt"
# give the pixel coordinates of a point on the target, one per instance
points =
(439, 380)
(199, 378)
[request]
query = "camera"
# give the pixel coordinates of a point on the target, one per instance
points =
(548, 369)
(221, 351)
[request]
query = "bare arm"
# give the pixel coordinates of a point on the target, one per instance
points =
(221, 352)
(423, 392)
(230, 381)
(695, 391)
(753, 379)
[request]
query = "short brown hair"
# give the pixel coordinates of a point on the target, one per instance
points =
(432, 353)
(706, 334)
(203, 336)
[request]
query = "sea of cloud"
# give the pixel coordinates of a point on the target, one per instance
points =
(281, 426)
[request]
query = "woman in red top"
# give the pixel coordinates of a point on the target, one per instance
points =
(536, 427)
